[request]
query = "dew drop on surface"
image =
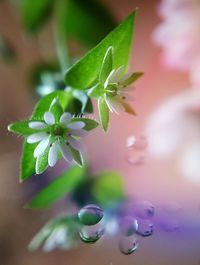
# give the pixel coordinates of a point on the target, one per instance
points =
(130, 142)
(91, 233)
(128, 226)
(135, 159)
(128, 244)
(145, 228)
(144, 209)
(90, 214)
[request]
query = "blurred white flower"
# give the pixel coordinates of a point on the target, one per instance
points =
(174, 130)
(179, 34)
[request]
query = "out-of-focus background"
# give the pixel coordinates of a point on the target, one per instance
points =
(157, 181)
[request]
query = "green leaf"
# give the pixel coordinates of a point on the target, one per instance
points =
(89, 123)
(107, 65)
(27, 161)
(103, 113)
(42, 162)
(135, 76)
(21, 128)
(62, 185)
(77, 156)
(84, 73)
(96, 91)
(56, 109)
(44, 104)
(35, 13)
(108, 188)
(90, 13)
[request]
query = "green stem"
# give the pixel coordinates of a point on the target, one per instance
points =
(61, 43)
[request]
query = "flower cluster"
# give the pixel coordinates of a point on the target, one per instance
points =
(179, 35)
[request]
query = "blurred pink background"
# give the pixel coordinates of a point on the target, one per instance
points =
(157, 181)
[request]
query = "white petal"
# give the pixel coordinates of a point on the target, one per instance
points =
(108, 78)
(79, 132)
(49, 118)
(75, 143)
(53, 155)
(125, 96)
(108, 103)
(37, 125)
(124, 77)
(40, 148)
(65, 152)
(36, 137)
(116, 75)
(76, 125)
(65, 118)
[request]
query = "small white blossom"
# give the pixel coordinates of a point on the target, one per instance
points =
(58, 136)
(116, 92)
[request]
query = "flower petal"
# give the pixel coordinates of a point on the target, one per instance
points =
(49, 118)
(53, 155)
(125, 96)
(36, 137)
(79, 132)
(40, 148)
(37, 125)
(116, 75)
(108, 78)
(65, 118)
(76, 125)
(107, 100)
(75, 144)
(65, 152)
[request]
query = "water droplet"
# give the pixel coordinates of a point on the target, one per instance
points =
(90, 214)
(144, 209)
(128, 226)
(128, 244)
(170, 224)
(135, 159)
(145, 228)
(91, 233)
(130, 142)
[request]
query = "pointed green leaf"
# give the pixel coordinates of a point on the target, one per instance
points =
(21, 128)
(42, 162)
(77, 156)
(62, 185)
(89, 123)
(84, 73)
(135, 76)
(56, 109)
(27, 161)
(108, 188)
(96, 91)
(103, 113)
(107, 65)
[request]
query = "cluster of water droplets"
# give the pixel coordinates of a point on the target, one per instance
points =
(137, 220)
(136, 147)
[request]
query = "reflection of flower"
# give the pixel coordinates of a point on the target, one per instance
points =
(179, 33)
(175, 130)
(58, 136)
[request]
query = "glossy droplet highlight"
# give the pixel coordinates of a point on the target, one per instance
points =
(145, 228)
(130, 142)
(90, 214)
(128, 226)
(128, 244)
(144, 209)
(91, 233)
(139, 143)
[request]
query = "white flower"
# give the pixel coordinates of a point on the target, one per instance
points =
(174, 130)
(116, 90)
(179, 34)
(58, 136)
